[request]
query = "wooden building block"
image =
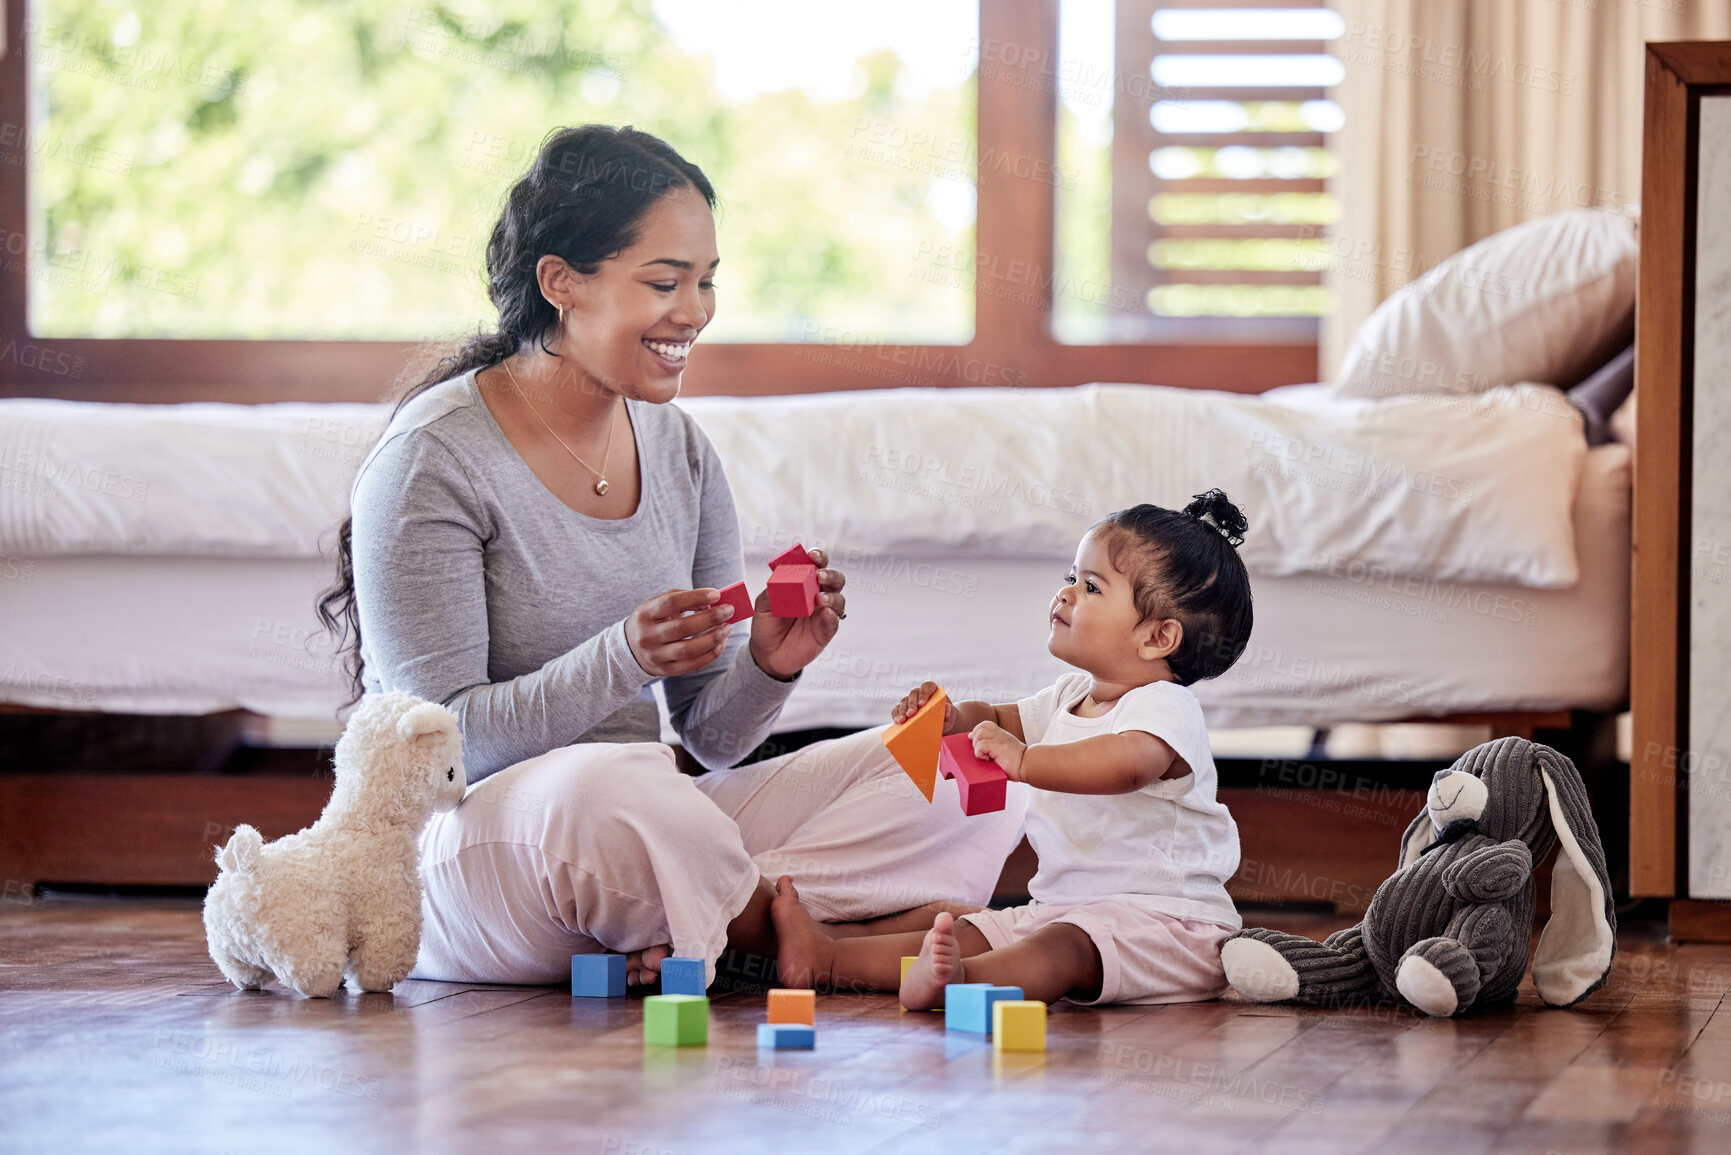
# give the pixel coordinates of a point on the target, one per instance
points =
(914, 743)
(598, 976)
(794, 556)
(786, 1036)
(1019, 1025)
(793, 1006)
(737, 596)
(676, 1020)
(793, 591)
(683, 976)
(968, 1006)
(980, 782)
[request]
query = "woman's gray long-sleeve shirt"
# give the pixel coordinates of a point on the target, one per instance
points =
(479, 589)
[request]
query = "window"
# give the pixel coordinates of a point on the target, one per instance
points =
(1194, 135)
(220, 168)
(191, 212)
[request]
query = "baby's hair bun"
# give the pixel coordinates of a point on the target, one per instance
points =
(1215, 510)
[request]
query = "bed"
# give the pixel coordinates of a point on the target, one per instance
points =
(170, 557)
(1416, 551)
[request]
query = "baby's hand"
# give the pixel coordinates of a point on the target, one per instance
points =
(910, 705)
(993, 742)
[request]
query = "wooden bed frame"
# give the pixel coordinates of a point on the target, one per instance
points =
(160, 829)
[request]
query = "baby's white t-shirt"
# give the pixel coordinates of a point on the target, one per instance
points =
(1171, 841)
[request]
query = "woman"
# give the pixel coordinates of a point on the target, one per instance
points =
(538, 537)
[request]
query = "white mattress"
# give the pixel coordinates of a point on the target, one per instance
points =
(163, 635)
(1472, 488)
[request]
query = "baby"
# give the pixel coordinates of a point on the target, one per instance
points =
(1130, 903)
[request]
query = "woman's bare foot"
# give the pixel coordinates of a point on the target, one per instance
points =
(919, 918)
(939, 965)
(643, 967)
(805, 954)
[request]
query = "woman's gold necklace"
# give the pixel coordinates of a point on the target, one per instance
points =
(607, 455)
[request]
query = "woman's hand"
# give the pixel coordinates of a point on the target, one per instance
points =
(910, 705)
(782, 647)
(678, 632)
(993, 742)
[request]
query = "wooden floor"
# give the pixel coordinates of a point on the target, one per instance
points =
(116, 1034)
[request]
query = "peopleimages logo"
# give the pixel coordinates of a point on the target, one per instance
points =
(1454, 65)
(953, 157)
(932, 470)
(1413, 594)
(30, 355)
(1332, 467)
(47, 474)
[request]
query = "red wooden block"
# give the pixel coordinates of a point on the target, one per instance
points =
(981, 782)
(793, 591)
(737, 596)
(794, 556)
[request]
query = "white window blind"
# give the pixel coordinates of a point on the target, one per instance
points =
(1219, 162)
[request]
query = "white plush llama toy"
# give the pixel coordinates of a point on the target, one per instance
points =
(343, 897)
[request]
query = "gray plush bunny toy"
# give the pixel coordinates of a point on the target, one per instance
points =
(1449, 930)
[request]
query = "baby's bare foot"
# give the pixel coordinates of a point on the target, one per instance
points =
(643, 967)
(805, 955)
(939, 964)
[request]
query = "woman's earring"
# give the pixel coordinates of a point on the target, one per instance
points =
(561, 309)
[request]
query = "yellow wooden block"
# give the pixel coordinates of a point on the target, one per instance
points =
(914, 743)
(1019, 1025)
(793, 1006)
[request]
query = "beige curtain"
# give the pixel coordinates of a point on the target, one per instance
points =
(1464, 117)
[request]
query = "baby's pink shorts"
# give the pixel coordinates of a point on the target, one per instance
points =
(1145, 956)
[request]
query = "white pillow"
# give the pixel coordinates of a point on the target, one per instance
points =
(1547, 301)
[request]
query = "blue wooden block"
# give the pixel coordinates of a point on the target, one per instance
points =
(786, 1036)
(598, 976)
(968, 1006)
(959, 1004)
(684, 976)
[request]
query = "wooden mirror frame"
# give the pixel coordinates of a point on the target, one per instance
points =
(1678, 75)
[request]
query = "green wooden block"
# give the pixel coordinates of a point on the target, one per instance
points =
(676, 1020)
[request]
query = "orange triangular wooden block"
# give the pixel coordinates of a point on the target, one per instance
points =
(914, 743)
